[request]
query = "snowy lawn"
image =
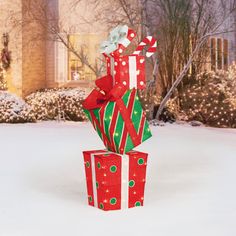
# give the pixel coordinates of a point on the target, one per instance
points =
(191, 183)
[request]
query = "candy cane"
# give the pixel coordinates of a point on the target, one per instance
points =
(149, 40)
(125, 43)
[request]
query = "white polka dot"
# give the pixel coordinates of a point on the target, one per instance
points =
(137, 72)
(132, 35)
(114, 72)
(123, 63)
(124, 83)
(116, 63)
(108, 64)
(141, 83)
(120, 50)
(141, 60)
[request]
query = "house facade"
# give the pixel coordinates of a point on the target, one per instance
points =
(41, 62)
(38, 62)
(27, 72)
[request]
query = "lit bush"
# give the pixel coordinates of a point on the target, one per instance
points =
(14, 110)
(58, 104)
(211, 98)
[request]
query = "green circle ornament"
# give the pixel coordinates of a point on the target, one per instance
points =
(97, 185)
(140, 161)
(131, 183)
(137, 204)
(90, 198)
(87, 164)
(99, 165)
(101, 206)
(113, 169)
(113, 201)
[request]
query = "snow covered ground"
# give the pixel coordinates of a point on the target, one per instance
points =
(191, 188)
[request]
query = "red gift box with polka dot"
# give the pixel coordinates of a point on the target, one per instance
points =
(115, 181)
(128, 70)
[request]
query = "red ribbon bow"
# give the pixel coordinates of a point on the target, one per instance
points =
(104, 93)
(108, 92)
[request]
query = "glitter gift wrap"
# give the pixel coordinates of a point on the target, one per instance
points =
(115, 181)
(127, 69)
(117, 116)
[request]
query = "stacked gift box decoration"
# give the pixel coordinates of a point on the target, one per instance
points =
(116, 176)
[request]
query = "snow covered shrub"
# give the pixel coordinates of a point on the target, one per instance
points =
(14, 110)
(57, 104)
(211, 98)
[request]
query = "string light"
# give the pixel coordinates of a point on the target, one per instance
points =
(212, 98)
(8, 104)
(59, 104)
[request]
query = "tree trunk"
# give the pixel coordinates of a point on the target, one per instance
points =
(180, 77)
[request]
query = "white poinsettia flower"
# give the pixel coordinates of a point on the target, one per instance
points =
(117, 36)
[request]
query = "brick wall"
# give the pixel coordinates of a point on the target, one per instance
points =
(14, 74)
(33, 54)
(27, 72)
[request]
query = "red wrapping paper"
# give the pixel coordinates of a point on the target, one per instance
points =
(117, 186)
(128, 70)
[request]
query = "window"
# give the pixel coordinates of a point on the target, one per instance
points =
(75, 68)
(87, 45)
(219, 53)
(75, 65)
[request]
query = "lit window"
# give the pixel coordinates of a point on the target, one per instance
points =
(87, 47)
(75, 69)
(75, 64)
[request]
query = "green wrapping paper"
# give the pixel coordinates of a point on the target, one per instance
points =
(121, 124)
